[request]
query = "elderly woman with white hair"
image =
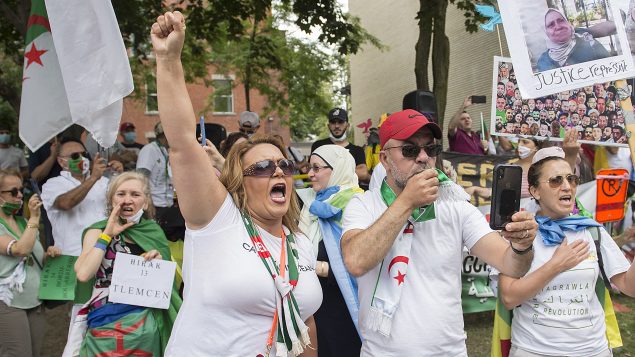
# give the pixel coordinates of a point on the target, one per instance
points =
(332, 173)
(565, 45)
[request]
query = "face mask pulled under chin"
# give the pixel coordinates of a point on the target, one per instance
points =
(136, 217)
(340, 139)
(524, 152)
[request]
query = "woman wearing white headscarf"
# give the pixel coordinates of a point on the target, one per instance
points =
(566, 47)
(332, 173)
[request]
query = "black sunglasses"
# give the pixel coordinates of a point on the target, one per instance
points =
(556, 181)
(267, 168)
(77, 155)
(14, 191)
(412, 151)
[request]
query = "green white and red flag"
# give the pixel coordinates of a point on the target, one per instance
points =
(76, 70)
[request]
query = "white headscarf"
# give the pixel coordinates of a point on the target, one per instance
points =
(559, 52)
(342, 175)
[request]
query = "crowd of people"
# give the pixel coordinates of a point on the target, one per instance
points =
(268, 269)
(594, 111)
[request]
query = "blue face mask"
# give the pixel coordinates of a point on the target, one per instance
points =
(5, 138)
(130, 136)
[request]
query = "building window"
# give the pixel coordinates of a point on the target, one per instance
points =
(152, 103)
(223, 96)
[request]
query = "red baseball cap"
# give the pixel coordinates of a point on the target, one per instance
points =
(126, 125)
(401, 125)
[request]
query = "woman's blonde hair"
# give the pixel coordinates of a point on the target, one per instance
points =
(9, 172)
(233, 180)
(127, 176)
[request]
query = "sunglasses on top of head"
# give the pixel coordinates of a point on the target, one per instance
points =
(14, 191)
(412, 151)
(266, 168)
(557, 181)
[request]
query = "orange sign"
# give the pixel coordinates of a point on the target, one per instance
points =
(611, 194)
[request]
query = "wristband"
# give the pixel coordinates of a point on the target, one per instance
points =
(521, 252)
(105, 237)
(101, 245)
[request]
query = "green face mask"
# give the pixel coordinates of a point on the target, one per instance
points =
(78, 166)
(11, 208)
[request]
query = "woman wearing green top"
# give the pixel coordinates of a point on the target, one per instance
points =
(21, 257)
(129, 229)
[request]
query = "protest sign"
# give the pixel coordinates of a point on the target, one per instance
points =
(475, 171)
(557, 46)
(136, 281)
(596, 112)
(58, 279)
(612, 185)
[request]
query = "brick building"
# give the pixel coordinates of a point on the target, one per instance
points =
(229, 102)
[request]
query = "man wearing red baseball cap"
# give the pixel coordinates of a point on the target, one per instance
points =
(404, 243)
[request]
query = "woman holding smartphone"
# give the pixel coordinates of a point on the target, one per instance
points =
(556, 310)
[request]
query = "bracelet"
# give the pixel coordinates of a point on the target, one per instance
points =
(32, 225)
(9, 246)
(521, 252)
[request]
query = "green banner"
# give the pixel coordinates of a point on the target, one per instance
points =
(58, 279)
(476, 295)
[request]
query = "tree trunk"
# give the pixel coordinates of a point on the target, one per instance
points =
(422, 48)
(247, 83)
(440, 59)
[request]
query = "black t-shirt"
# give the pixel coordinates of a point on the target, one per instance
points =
(356, 151)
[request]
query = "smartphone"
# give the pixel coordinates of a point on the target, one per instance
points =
(202, 125)
(479, 99)
(505, 195)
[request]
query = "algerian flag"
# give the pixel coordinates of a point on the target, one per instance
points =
(44, 108)
(84, 81)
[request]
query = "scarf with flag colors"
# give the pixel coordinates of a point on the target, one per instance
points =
(388, 289)
(292, 335)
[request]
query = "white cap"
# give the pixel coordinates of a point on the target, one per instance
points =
(553, 151)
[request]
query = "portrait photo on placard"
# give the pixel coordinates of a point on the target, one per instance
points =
(566, 45)
(593, 111)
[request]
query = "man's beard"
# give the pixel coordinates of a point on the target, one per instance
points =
(401, 178)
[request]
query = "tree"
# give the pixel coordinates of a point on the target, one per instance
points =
(432, 38)
(208, 21)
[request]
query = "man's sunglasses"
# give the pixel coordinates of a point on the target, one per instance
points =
(14, 191)
(267, 168)
(412, 151)
(556, 181)
(77, 155)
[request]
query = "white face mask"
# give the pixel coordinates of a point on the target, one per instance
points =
(524, 152)
(136, 217)
(340, 139)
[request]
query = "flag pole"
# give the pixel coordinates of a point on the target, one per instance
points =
(482, 127)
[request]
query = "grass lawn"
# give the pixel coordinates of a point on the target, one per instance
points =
(479, 330)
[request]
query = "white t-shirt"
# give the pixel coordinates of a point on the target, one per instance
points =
(12, 158)
(566, 316)
(154, 158)
(429, 318)
(621, 160)
(229, 298)
(68, 225)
